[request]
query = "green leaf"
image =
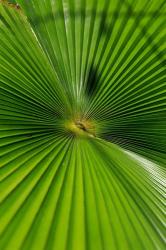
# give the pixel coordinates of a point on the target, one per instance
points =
(82, 125)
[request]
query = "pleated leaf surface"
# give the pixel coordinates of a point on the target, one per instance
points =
(82, 125)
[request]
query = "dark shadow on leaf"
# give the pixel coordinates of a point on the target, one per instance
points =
(92, 80)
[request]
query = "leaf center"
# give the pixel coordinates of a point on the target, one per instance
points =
(82, 128)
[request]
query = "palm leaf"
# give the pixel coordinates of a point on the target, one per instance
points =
(82, 125)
